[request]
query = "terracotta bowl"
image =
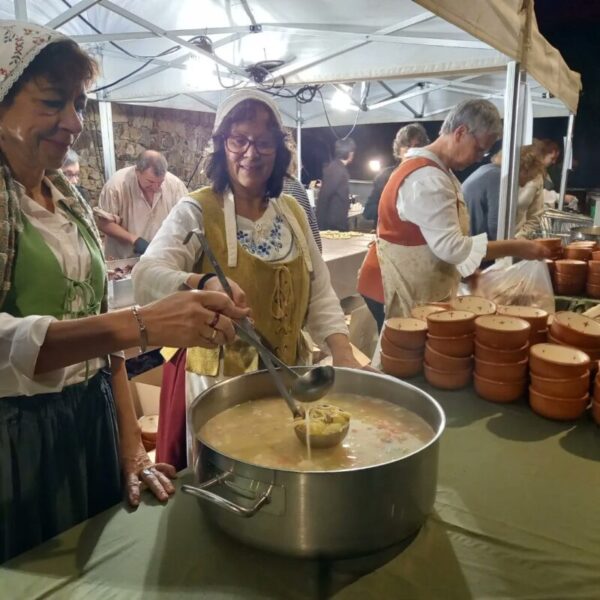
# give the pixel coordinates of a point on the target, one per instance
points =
(536, 317)
(596, 411)
(571, 278)
(593, 291)
(577, 253)
(444, 305)
(575, 329)
(561, 388)
(501, 372)
(499, 391)
(500, 331)
(399, 367)
(474, 304)
(593, 278)
(394, 351)
(444, 362)
(407, 333)
(558, 362)
(499, 355)
(570, 267)
(459, 347)
(421, 312)
(583, 244)
(538, 337)
(552, 243)
(594, 266)
(558, 409)
(447, 380)
(569, 289)
(596, 255)
(451, 323)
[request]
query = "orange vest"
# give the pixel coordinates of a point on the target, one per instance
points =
(391, 228)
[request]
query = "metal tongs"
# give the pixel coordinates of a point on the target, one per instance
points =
(246, 331)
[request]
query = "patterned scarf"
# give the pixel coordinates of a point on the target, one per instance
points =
(11, 222)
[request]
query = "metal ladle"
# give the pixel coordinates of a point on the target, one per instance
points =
(307, 387)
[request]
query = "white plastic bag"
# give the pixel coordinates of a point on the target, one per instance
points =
(526, 283)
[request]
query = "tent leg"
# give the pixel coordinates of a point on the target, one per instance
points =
(21, 10)
(566, 165)
(512, 140)
(299, 122)
(108, 142)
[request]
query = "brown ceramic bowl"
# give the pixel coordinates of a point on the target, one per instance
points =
(593, 278)
(407, 333)
(451, 323)
(593, 291)
(501, 372)
(590, 244)
(538, 337)
(558, 362)
(575, 329)
(558, 409)
(536, 317)
(571, 278)
(562, 388)
(499, 355)
(499, 391)
(421, 312)
(399, 367)
(577, 253)
(596, 411)
(550, 264)
(568, 289)
(500, 331)
(596, 255)
(394, 351)
(571, 268)
(553, 242)
(447, 380)
(474, 304)
(594, 266)
(459, 347)
(444, 362)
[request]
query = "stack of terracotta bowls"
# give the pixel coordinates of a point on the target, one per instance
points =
(596, 255)
(578, 331)
(475, 304)
(593, 278)
(579, 250)
(570, 276)
(402, 346)
(501, 344)
(421, 311)
(449, 349)
(595, 406)
(536, 317)
(560, 381)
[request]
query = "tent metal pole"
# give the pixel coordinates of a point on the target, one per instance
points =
(108, 142)
(567, 153)
(511, 145)
(299, 122)
(21, 10)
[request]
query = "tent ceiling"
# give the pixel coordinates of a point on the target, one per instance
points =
(417, 64)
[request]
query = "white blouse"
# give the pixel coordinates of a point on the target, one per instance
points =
(167, 263)
(428, 199)
(21, 338)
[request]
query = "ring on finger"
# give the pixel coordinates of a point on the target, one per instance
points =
(147, 472)
(213, 335)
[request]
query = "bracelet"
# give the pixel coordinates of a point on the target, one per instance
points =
(204, 279)
(135, 309)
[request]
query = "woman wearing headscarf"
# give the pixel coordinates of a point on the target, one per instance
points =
(262, 240)
(68, 432)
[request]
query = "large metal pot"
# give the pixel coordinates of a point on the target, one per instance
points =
(585, 233)
(332, 513)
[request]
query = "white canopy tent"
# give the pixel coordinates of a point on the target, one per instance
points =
(396, 60)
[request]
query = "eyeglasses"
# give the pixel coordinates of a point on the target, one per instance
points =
(239, 144)
(481, 151)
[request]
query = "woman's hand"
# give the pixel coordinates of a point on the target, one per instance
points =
(194, 318)
(531, 250)
(139, 470)
(239, 296)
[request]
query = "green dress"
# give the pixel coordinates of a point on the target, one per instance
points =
(59, 460)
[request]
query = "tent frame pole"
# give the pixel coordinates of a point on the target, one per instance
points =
(567, 153)
(108, 142)
(299, 122)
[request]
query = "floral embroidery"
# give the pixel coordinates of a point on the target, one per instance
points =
(264, 245)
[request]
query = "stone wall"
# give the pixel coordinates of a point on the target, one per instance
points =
(180, 135)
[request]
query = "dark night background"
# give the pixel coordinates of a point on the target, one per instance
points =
(571, 26)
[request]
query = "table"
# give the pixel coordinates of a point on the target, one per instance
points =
(343, 258)
(517, 515)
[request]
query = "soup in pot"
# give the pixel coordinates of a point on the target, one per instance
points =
(260, 432)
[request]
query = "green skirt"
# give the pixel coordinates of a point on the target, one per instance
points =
(59, 462)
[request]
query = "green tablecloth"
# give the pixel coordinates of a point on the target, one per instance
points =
(517, 515)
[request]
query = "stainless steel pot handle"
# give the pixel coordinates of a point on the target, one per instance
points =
(201, 491)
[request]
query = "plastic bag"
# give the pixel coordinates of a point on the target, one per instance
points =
(526, 283)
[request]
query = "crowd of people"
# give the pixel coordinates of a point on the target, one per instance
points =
(71, 444)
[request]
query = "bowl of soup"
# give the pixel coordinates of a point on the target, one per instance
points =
(261, 485)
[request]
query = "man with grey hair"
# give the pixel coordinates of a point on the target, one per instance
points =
(71, 170)
(423, 241)
(134, 202)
